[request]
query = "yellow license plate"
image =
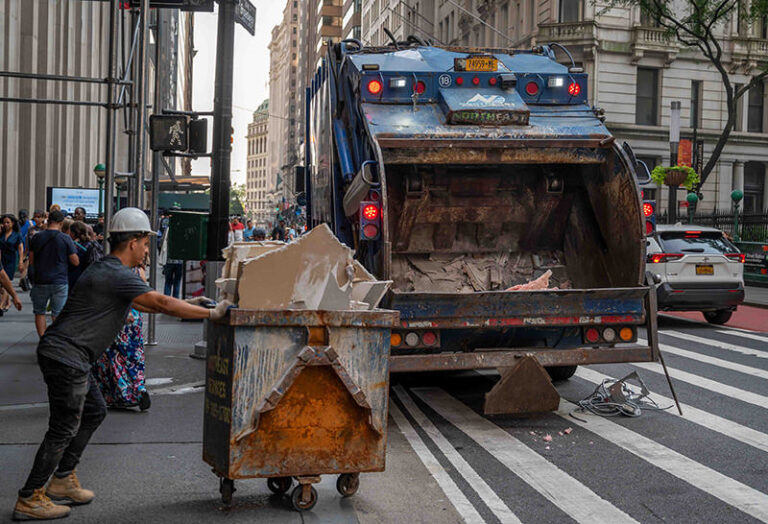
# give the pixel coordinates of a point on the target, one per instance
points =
(481, 63)
(705, 269)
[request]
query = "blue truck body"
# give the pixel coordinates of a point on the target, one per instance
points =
(459, 173)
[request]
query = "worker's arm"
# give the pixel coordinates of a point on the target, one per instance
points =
(6, 284)
(154, 302)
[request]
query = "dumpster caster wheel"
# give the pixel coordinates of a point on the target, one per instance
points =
(279, 485)
(297, 502)
(227, 489)
(347, 484)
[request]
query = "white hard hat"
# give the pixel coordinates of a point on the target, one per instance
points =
(130, 220)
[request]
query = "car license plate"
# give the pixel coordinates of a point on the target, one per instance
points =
(477, 63)
(705, 269)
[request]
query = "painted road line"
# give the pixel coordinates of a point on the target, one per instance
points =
(716, 343)
(730, 491)
(564, 491)
(706, 359)
(489, 497)
(743, 333)
(702, 382)
(730, 429)
(449, 487)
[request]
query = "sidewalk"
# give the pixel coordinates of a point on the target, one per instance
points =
(756, 296)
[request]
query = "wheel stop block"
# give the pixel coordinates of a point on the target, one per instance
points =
(523, 388)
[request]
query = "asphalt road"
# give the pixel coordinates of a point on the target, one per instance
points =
(446, 462)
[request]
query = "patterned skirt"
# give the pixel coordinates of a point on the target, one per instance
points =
(120, 370)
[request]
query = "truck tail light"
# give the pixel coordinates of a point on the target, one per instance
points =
(658, 258)
(626, 334)
(429, 338)
(532, 88)
(419, 87)
(737, 257)
(395, 339)
(647, 209)
(370, 220)
(592, 335)
(459, 80)
(609, 334)
(649, 212)
(492, 81)
(374, 87)
(412, 339)
(574, 89)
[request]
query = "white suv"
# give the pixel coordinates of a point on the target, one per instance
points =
(700, 270)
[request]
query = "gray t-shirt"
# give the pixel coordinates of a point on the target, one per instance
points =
(94, 314)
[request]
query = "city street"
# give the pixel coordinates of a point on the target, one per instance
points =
(446, 463)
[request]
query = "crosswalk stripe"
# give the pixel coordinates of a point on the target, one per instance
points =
(702, 382)
(716, 343)
(727, 427)
(489, 497)
(730, 491)
(725, 364)
(744, 334)
(452, 491)
(567, 493)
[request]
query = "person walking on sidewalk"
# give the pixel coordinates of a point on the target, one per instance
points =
(88, 324)
(7, 285)
(51, 254)
(12, 254)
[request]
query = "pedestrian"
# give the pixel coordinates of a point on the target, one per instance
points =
(259, 234)
(248, 231)
(237, 229)
(25, 225)
(79, 214)
(98, 228)
(88, 324)
(51, 254)
(278, 232)
(11, 254)
(173, 269)
(79, 234)
(7, 285)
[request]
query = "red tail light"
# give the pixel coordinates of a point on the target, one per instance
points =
(648, 227)
(574, 89)
(419, 88)
(657, 258)
(459, 80)
(592, 335)
(738, 257)
(374, 87)
(492, 81)
(476, 81)
(647, 209)
(532, 88)
(429, 338)
(371, 212)
(370, 231)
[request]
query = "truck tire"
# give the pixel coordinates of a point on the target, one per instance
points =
(558, 373)
(721, 316)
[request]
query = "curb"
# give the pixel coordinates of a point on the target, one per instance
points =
(759, 305)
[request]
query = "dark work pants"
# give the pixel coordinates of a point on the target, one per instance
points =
(173, 273)
(76, 410)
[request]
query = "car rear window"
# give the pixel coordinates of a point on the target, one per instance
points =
(692, 242)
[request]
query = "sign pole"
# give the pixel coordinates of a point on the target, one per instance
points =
(674, 140)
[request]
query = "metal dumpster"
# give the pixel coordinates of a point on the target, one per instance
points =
(296, 394)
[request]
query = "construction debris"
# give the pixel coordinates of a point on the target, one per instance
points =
(619, 397)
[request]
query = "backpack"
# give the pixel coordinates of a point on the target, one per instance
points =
(93, 253)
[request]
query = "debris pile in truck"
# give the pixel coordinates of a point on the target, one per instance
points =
(315, 271)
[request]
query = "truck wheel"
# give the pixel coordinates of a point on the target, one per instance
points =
(558, 373)
(721, 316)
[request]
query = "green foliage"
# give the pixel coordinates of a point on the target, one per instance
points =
(659, 175)
(236, 199)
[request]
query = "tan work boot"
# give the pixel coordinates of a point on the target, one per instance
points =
(38, 507)
(68, 490)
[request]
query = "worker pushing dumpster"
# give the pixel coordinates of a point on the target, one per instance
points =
(296, 393)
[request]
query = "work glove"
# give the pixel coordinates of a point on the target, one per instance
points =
(220, 310)
(199, 301)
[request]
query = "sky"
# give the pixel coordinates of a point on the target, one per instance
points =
(251, 77)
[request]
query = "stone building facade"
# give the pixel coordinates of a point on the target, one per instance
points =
(256, 181)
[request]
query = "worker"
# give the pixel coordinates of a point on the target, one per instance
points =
(92, 317)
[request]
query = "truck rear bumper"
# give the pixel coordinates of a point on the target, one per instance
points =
(504, 358)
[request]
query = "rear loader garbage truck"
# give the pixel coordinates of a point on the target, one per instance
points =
(483, 184)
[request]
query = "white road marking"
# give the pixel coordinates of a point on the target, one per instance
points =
(158, 381)
(451, 490)
(476, 482)
(730, 491)
(727, 427)
(725, 364)
(702, 382)
(567, 493)
(716, 343)
(744, 334)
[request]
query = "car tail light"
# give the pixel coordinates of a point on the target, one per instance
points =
(574, 89)
(374, 87)
(429, 338)
(626, 334)
(658, 258)
(737, 257)
(459, 80)
(592, 335)
(609, 334)
(532, 88)
(647, 209)
(492, 81)
(419, 88)
(476, 81)
(395, 339)
(412, 339)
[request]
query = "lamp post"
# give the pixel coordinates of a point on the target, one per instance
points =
(100, 171)
(736, 196)
(674, 140)
(692, 198)
(119, 181)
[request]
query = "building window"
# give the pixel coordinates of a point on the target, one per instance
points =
(570, 10)
(755, 109)
(647, 97)
(696, 96)
(647, 19)
(754, 187)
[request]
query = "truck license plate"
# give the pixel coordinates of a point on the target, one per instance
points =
(476, 63)
(705, 269)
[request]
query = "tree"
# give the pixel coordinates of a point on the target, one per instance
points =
(236, 199)
(695, 24)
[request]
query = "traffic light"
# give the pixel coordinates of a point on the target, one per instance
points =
(649, 214)
(370, 220)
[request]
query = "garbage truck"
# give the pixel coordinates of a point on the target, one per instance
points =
(482, 184)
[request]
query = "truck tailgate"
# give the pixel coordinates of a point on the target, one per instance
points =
(520, 308)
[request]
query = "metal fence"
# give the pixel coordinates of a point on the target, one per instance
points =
(753, 227)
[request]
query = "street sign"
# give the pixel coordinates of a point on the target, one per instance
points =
(183, 5)
(168, 133)
(245, 15)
